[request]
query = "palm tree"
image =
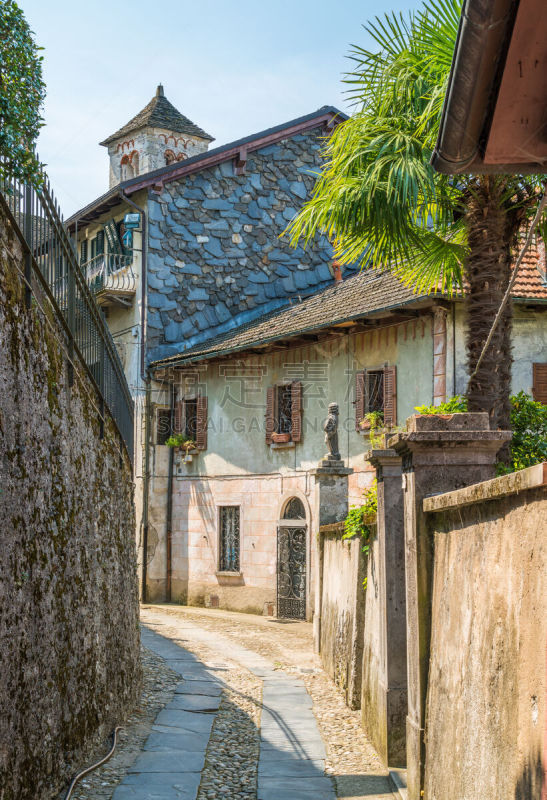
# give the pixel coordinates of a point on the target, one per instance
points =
(383, 205)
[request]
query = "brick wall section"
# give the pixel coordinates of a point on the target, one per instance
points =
(69, 666)
(215, 252)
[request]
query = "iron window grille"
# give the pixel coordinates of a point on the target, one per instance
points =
(229, 538)
(283, 410)
(163, 425)
(374, 391)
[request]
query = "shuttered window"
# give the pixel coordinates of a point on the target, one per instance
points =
(83, 252)
(191, 420)
(539, 388)
(376, 390)
(284, 411)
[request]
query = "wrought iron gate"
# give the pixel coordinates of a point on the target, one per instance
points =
(291, 572)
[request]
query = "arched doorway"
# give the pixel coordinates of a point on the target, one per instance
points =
(291, 561)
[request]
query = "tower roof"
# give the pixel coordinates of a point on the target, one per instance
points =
(159, 113)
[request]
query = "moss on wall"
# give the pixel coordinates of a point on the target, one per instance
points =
(69, 667)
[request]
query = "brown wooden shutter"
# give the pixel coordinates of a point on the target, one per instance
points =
(390, 396)
(296, 411)
(177, 421)
(201, 423)
(539, 388)
(270, 413)
(359, 399)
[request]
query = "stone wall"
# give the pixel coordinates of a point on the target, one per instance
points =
(215, 255)
(343, 568)
(69, 667)
(486, 704)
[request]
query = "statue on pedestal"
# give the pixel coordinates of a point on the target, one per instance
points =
(330, 426)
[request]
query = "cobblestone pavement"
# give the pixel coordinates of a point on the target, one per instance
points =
(288, 646)
(238, 723)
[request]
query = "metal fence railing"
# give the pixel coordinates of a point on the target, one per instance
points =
(110, 271)
(50, 257)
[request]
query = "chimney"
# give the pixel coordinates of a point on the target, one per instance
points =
(159, 91)
(337, 270)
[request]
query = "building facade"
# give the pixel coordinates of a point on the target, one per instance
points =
(236, 342)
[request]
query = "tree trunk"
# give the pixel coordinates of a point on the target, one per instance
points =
(493, 225)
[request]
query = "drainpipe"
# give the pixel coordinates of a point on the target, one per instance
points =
(145, 377)
(169, 511)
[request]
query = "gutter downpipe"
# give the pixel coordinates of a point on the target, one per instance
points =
(169, 510)
(145, 377)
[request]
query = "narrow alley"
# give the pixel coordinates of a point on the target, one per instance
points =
(246, 713)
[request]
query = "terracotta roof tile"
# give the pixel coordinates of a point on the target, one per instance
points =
(532, 278)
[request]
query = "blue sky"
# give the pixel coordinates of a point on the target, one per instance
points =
(232, 67)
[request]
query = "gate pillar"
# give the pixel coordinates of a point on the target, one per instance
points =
(440, 453)
(330, 505)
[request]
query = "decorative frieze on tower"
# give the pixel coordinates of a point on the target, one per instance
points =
(157, 136)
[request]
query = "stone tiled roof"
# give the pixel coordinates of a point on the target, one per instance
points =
(159, 113)
(344, 301)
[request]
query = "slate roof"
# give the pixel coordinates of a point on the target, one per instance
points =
(344, 301)
(201, 161)
(159, 113)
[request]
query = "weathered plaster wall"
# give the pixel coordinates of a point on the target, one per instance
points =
(529, 346)
(486, 701)
(343, 611)
(69, 667)
(215, 253)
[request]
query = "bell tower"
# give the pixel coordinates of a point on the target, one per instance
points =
(157, 136)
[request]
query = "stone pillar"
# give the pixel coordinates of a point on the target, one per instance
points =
(384, 691)
(440, 453)
(330, 505)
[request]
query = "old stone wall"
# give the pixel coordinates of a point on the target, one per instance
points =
(215, 256)
(486, 704)
(344, 567)
(69, 667)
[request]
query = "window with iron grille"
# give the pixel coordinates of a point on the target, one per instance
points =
(283, 409)
(374, 390)
(229, 538)
(190, 419)
(163, 425)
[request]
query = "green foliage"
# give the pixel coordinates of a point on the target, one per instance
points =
(529, 425)
(22, 92)
(453, 405)
(378, 199)
(355, 523)
(180, 440)
(374, 423)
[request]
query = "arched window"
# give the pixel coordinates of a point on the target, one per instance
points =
(134, 158)
(126, 168)
(169, 157)
(294, 509)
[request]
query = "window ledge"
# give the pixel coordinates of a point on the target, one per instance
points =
(281, 445)
(229, 578)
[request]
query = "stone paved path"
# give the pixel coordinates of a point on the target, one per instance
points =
(291, 763)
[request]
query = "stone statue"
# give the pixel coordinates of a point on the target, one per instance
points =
(330, 426)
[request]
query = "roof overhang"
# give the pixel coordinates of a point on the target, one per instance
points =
(494, 118)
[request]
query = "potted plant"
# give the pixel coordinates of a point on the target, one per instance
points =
(281, 438)
(182, 444)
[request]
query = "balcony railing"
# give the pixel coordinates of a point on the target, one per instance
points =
(111, 278)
